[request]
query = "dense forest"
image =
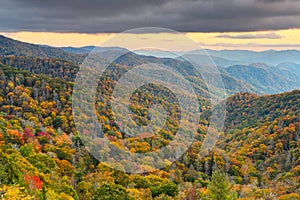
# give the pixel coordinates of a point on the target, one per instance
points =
(43, 157)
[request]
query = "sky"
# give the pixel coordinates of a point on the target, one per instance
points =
(215, 24)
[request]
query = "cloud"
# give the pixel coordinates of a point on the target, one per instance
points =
(252, 36)
(94, 16)
(271, 1)
(251, 44)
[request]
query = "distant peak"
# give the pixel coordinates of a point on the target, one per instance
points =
(261, 65)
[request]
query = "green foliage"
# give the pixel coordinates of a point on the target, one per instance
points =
(9, 171)
(220, 187)
(111, 191)
(27, 149)
(69, 190)
(169, 189)
(156, 184)
(42, 162)
(163, 197)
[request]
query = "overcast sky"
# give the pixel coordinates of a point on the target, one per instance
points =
(98, 16)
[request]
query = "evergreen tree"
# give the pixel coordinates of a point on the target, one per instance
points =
(220, 187)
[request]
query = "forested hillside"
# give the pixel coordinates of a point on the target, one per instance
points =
(265, 78)
(10, 47)
(51, 67)
(42, 156)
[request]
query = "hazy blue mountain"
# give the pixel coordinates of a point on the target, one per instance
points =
(223, 58)
(226, 58)
(291, 67)
(158, 53)
(88, 49)
(205, 60)
(202, 54)
(270, 57)
(78, 50)
(107, 53)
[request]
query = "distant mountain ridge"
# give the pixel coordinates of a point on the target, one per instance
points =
(88, 49)
(223, 58)
(270, 57)
(235, 66)
(226, 58)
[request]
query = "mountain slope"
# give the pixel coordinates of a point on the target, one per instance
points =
(63, 69)
(265, 78)
(51, 67)
(41, 153)
(10, 47)
(249, 110)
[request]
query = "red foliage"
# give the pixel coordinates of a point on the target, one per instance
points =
(27, 134)
(120, 124)
(47, 135)
(9, 116)
(33, 182)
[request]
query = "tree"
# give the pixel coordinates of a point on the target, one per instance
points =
(33, 182)
(9, 171)
(169, 189)
(111, 191)
(220, 187)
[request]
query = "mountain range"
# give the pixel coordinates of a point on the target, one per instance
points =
(43, 154)
(265, 72)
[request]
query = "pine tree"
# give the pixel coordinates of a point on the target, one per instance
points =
(220, 187)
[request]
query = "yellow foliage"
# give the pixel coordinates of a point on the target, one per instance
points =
(11, 85)
(62, 140)
(135, 193)
(64, 196)
(292, 196)
(51, 195)
(15, 193)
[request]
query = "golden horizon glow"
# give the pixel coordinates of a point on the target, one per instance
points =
(290, 39)
(287, 39)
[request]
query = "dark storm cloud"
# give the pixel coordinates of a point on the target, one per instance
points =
(94, 16)
(252, 36)
(271, 1)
